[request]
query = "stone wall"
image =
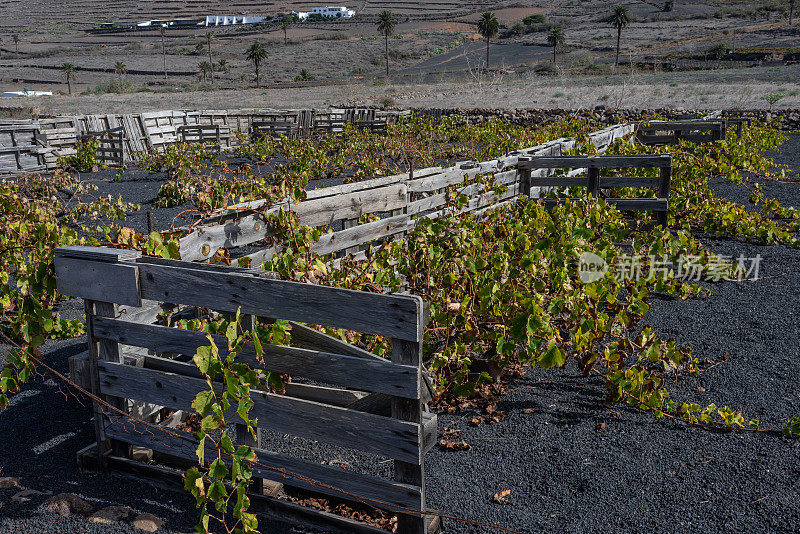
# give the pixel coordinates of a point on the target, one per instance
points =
(787, 120)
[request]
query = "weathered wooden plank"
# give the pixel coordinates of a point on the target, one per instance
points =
(599, 162)
(98, 280)
(308, 338)
(281, 468)
(79, 370)
(323, 394)
(204, 241)
(373, 313)
(362, 233)
(370, 433)
(409, 353)
(349, 371)
(696, 125)
(325, 210)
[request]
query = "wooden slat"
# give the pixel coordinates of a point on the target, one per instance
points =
(370, 433)
(325, 395)
(698, 125)
(95, 280)
(359, 373)
(362, 233)
(204, 241)
(281, 468)
(324, 211)
(389, 315)
(599, 162)
(308, 338)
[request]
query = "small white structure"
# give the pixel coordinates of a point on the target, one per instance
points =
(25, 92)
(228, 20)
(328, 12)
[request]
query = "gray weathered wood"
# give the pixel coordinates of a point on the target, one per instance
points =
(279, 467)
(370, 433)
(599, 162)
(389, 315)
(359, 373)
(308, 338)
(409, 353)
(325, 210)
(362, 233)
(98, 280)
(97, 253)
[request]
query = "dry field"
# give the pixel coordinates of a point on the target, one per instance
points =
(737, 89)
(436, 56)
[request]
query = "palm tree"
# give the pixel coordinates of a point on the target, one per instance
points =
(164, 49)
(488, 27)
(619, 18)
(205, 68)
(256, 53)
(69, 71)
(16, 40)
(386, 24)
(555, 38)
(286, 21)
(120, 69)
(222, 65)
(209, 38)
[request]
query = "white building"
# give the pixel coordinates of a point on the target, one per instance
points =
(227, 20)
(25, 92)
(329, 12)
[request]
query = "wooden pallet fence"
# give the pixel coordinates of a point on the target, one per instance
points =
(122, 290)
(399, 200)
(20, 148)
(111, 145)
(594, 181)
(652, 133)
(203, 134)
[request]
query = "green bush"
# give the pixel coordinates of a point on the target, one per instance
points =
(536, 18)
(719, 51)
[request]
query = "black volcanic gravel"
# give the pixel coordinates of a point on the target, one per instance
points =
(637, 474)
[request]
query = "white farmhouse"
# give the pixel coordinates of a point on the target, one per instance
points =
(329, 12)
(227, 20)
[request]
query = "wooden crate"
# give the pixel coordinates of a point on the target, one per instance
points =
(356, 400)
(537, 172)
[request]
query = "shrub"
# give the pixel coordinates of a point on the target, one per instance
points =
(719, 51)
(536, 18)
(114, 86)
(304, 76)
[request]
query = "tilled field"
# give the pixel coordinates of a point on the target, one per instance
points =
(572, 463)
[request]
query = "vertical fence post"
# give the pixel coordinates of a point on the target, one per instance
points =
(99, 350)
(524, 179)
(594, 182)
(663, 190)
(410, 353)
